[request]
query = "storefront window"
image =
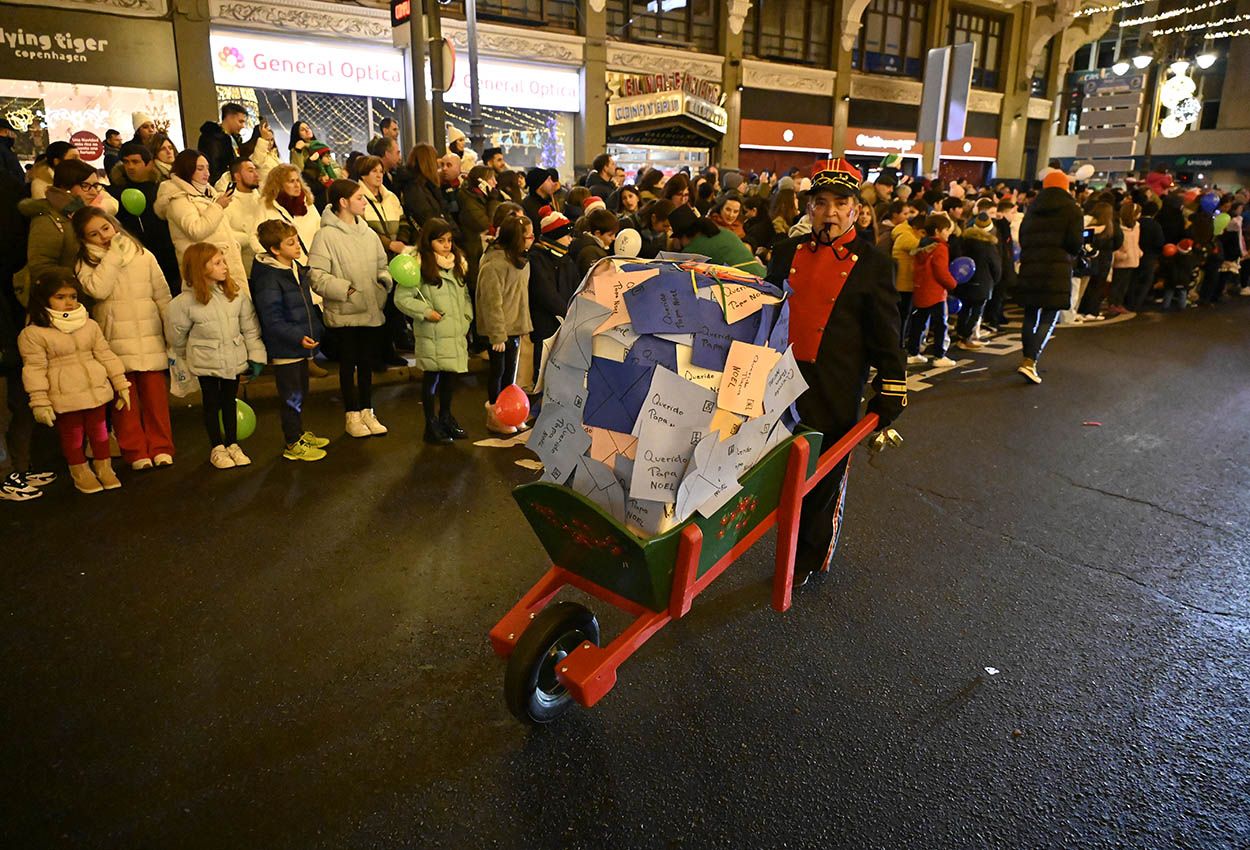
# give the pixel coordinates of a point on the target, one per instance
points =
(986, 32)
(691, 23)
(1040, 83)
(789, 31)
(551, 13)
(528, 137)
(891, 40)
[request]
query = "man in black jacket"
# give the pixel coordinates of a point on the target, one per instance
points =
(220, 143)
(541, 184)
(135, 171)
(1151, 241)
(599, 181)
(843, 320)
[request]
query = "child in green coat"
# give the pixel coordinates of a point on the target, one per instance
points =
(442, 313)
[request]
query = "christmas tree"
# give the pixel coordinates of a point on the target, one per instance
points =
(552, 155)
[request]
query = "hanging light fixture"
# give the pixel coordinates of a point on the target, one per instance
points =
(1206, 60)
(1120, 68)
(1180, 66)
(1140, 62)
(1171, 127)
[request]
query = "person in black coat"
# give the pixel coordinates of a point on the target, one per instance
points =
(553, 279)
(994, 315)
(843, 320)
(541, 185)
(1050, 238)
(1151, 241)
(9, 162)
(135, 171)
(220, 143)
(980, 246)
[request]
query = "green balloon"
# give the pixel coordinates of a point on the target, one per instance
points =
(134, 201)
(246, 419)
(1221, 222)
(405, 270)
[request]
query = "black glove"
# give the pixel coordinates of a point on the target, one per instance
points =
(889, 401)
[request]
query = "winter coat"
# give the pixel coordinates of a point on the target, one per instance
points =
(219, 148)
(284, 306)
(503, 304)
(216, 339)
(40, 179)
(1050, 237)
(906, 240)
(423, 201)
(386, 217)
(440, 346)
(477, 209)
(242, 217)
(305, 225)
(131, 299)
(655, 241)
(1172, 220)
(69, 371)
(51, 243)
(932, 275)
(347, 267)
(727, 250)
(1129, 255)
(1150, 237)
(553, 282)
(149, 228)
(195, 216)
(585, 251)
(759, 232)
(9, 163)
(981, 246)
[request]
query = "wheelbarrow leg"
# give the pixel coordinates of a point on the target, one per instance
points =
(507, 631)
(788, 511)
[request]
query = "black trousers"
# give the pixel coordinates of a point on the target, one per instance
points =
(1143, 282)
(1121, 280)
(440, 385)
(292, 379)
(994, 308)
(933, 318)
(966, 320)
(1039, 326)
(356, 351)
(17, 424)
(218, 395)
(820, 518)
(502, 368)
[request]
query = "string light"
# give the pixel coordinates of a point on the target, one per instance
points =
(1222, 22)
(1098, 10)
(1166, 16)
(1226, 34)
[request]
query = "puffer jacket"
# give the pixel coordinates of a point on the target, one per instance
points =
(69, 371)
(503, 302)
(439, 346)
(215, 339)
(1129, 254)
(347, 267)
(981, 246)
(385, 215)
(553, 282)
(51, 243)
(305, 225)
(284, 306)
(195, 216)
(1050, 237)
(131, 300)
(148, 227)
(906, 240)
(932, 274)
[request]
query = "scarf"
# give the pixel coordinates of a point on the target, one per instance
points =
(69, 321)
(295, 205)
(163, 169)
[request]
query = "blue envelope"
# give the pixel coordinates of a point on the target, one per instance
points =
(712, 336)
(766, 315)
(779, 338)
(663, 304)
(615, 393)
(650, 350)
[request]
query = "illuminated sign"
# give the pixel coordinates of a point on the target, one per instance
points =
(277, 62)
(654, 107)
(401, 11)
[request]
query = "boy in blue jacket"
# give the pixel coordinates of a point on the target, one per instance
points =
(290, 328)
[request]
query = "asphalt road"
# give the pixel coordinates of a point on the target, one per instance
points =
(295, 656)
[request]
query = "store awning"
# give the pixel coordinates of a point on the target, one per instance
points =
(666, 118)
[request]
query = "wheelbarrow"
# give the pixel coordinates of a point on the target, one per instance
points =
(555, 656)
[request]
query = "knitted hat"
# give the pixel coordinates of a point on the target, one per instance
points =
(594, 202)
(454, 135)
(138, 119)
(554, 224)
(983, 221)
(316, 147)
(1055, 180)
(536, 177)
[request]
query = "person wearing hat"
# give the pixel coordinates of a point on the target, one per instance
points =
(553, 281)
(1050, 239)
(8, 160)
(540, 186)
(843, 320)
(459, 145)
(144, 127)
(980, 245)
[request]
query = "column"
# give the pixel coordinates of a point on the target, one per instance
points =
(1055, 74)
(592, 123)
(1013, 119)
(848, 14)
(197, 99)
(733, 16)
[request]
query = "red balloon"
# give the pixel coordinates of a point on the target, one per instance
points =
(1169, 250)
(513, 406)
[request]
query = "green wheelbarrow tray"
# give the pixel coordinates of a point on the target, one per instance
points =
(587, 541)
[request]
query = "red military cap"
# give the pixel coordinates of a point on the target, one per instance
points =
(837, 176)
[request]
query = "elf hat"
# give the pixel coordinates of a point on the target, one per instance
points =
(594, 202)
(554, 224)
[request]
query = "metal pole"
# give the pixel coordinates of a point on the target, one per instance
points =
(418, 101)
(439, 116)
(477, 128)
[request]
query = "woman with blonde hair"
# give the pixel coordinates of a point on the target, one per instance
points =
(285, 197)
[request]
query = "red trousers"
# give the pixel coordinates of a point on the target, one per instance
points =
(143, 431)
(74, 426)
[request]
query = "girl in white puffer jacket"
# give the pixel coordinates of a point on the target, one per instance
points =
(131, 299)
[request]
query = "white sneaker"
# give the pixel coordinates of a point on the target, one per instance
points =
(943, 363)
(1029, 370)
(370, 419)
(917, 359)
(1245, 290)
(163, 459)
(18, 494)
(355, 425)
(220, 458)
(141, 463)
(236, 455)
(1090, 317)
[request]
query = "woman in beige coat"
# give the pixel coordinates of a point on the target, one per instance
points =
(131, 300)
(70, 374)
(196, 212)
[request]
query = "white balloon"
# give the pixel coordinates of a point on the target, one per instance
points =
(628, 243)
(1084, 172)
(1171, 127)
(1175, 90)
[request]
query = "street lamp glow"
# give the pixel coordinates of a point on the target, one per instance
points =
(1140, 62)
(1120, 68)
(1206, 60)
(1180, 66)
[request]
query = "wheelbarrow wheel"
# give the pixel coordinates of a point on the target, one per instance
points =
(531, 689)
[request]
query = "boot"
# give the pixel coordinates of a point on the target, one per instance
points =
(84, 479)
(370, 420)
(451, 427)
(494, 425)
(315, 370)
(435, 434)
(355, 427)
(104, 472)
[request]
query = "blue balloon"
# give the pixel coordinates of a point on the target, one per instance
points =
(953, 305)
(1210, 202)
(963, 268)
(1015, 253)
